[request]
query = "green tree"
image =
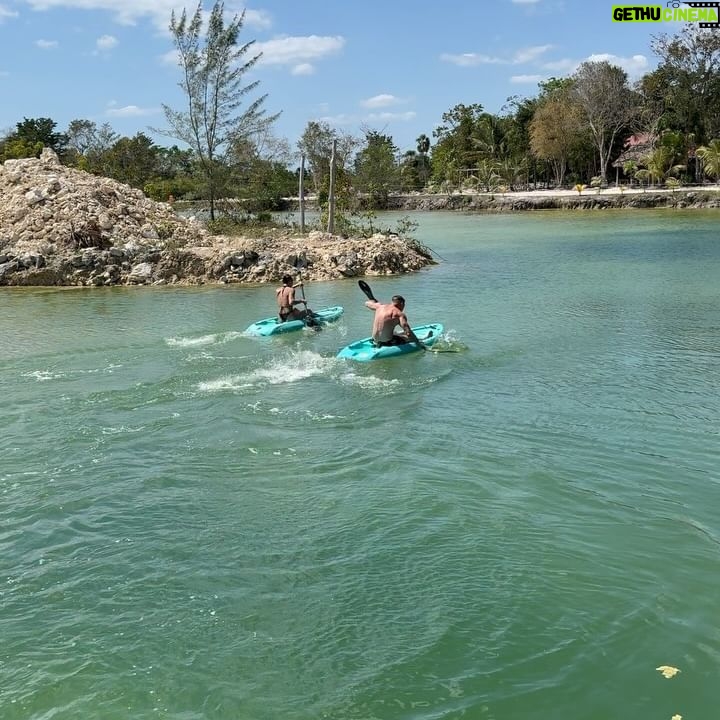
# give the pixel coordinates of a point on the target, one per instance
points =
(82, 135)
(89, 145)
(133, 161)
(261, 174)
(213, 67)
(456, 148)
(13, 148)
(630, 168)
(608, 104)
(489, 137)
(376, 169)
(643, 176)
(31, 136)
(316, 144)
(423, 148)
(710, 156)
(96, 157)
(519, 115)
(556, 131)
(687, 80)
(511, 172)
(485, 175)
(409, 171)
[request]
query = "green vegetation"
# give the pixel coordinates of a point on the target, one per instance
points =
(213, 66)
(585, 130)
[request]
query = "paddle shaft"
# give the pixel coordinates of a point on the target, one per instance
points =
(310, 320)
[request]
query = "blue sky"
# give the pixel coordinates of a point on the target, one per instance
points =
(394, 66)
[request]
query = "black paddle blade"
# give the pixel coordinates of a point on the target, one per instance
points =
(366, 289)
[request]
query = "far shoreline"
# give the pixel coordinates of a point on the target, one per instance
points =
(621, 197)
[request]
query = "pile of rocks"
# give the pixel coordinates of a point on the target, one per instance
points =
(61, 226)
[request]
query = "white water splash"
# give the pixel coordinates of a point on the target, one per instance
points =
(191, 342)
(43, 375)
(212, 339)
(290, 368)
(121, 429)
(368, 381)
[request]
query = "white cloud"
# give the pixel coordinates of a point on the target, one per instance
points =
(129, 12)
(524, 2)
(470, 59)
(521, 56)
(257, 19)
(303, 69)
(564, 66)
(339, 119)
(294, 50)
(528, 54)
(129, 111)
(379, 101)
(6, 13)
(382, 117)
(46, 44)
(171, 57)
(106, 42)
(634, 66)
(520, 79)
(388, 116)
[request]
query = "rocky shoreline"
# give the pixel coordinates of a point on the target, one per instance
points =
(552, 200)
(64, 227)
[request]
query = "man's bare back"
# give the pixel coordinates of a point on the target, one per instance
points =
(387, 318)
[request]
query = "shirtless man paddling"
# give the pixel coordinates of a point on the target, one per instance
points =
(387, 317)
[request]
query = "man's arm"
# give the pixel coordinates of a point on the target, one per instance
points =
(405, 325)
(301, 301)
(372, 304)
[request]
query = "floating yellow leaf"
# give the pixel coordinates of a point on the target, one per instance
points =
(668, 671)
(676, 717)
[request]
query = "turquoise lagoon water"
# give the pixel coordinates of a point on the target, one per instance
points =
(196, 524)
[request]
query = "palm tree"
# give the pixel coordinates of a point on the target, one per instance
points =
(710, 155)
(661, 163)
(487, 176)
(642, 176)
(510, 172)
(423, 146)
(629, 168)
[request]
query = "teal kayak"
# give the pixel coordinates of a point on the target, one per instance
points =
(273, 326)
(365, 350)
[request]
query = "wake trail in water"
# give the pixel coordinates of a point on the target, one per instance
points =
(211, 339)
(286, 369)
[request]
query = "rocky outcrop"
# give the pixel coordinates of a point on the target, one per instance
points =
(60, 226)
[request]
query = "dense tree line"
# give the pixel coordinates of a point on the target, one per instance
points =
(575, 130)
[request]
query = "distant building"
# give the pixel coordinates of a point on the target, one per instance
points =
(637, 148)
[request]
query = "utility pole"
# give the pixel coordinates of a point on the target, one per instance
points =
(331, 193)
(302, 193)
